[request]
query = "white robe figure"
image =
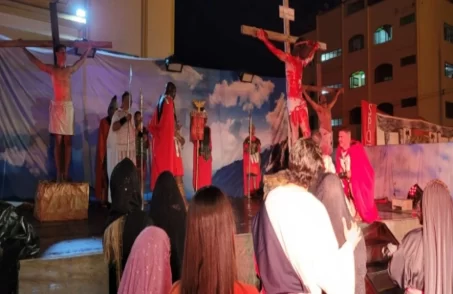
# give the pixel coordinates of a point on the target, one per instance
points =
(117, 143)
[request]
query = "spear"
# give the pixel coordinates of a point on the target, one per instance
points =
(142, 141)
(130, 104)
(250, 151)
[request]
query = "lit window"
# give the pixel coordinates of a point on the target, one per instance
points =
(448, 33)
(449, 70)
(335, 86)
(383, 73)
(337, 122)
(330, 55)
(405, 20)
(357, 79)
(383, 34)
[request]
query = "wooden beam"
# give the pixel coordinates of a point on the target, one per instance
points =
(310, 88)
(274, 36)
(54, 27)
(49, 44)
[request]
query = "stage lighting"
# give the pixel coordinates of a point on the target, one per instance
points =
(172, 65)
(81, 51)
(415, 193)
(246, 77)
(81, 13)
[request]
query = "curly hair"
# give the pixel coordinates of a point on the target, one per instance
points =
(305, 162)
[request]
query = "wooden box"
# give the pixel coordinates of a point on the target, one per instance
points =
(61, 201)
(402, 204)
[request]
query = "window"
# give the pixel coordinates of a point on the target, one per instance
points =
(355, 116)
(335, 86)
(383, 73)
(356, 43)
(372, 2)
(448, 33)
(330, 55)
(405, 20)
(408, 60)
(448, 109)
(409, 102)
(449, 70)
(383, 34)
(337, 122)
(386, 108)
(357, 79)
(355, 7)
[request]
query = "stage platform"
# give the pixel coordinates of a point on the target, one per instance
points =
(71, 260)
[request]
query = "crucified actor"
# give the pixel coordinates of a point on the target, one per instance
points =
(61, 121)
(302, 54)
(324, 111)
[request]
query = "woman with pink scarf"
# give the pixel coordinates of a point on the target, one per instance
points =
(148, 266)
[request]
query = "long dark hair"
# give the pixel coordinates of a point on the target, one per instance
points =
(209, 265)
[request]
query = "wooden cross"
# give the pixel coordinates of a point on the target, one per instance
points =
(55, 37)
(287, 14)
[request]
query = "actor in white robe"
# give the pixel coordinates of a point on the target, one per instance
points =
(120, 142)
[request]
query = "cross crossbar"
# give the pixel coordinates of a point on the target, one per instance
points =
(274, 36)
(49, 44)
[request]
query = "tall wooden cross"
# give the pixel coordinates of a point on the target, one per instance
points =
(55, 37)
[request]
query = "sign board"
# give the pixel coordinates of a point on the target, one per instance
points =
(286, 13)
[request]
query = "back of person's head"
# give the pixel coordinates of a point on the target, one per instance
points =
(209, 265)
(305, 162)
(437, 210)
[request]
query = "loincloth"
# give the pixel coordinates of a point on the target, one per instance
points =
(326, 141)
(61, 118)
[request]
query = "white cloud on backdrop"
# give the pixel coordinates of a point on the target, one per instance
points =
(188, 75)
(278, 120)
(248, 95)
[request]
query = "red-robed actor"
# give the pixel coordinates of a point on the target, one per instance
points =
(202, 176)
(357, 174)
(252, 164)
(101, 188)
(167, 142)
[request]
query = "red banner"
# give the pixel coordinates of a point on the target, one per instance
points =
(368, 123)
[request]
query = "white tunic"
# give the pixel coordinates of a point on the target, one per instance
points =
(117, 147)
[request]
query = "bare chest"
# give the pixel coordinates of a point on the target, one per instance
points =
(61, 75)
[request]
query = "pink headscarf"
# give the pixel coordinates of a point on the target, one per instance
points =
(148, 266)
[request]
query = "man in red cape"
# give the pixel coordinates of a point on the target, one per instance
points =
(202, 175)
(357, 174)
(166, 140)
(101, 188)
(251, 163)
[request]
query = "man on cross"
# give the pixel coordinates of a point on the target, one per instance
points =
(61, 121)
(324, 111)
(302, 54)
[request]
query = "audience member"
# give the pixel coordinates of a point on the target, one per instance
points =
(168, 211)
(209, 264)
(295, 245)
(423, 263)
(125, 221)
(148, 266)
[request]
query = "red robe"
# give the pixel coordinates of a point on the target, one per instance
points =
(204, 156)
(362, 181)
(255, 165)
(101, 187)
(164, 155)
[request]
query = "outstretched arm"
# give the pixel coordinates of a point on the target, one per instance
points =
(261, 34)
(312, 103)
(42, 66)
(332, 103)
(75, 67)
(311, 55)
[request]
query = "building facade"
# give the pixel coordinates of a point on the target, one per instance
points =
(396, 54)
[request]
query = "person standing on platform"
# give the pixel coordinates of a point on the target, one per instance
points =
(357, 174)
(202, 160)
(142, 145)
(167, 141)
(61, 121)
(121, 138)
(251, 163)
(102, 182)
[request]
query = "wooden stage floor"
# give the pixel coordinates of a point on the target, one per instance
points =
(73, 238)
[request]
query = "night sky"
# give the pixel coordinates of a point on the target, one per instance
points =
(208, 32)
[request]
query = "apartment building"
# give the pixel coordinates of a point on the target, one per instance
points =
(397, 54)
